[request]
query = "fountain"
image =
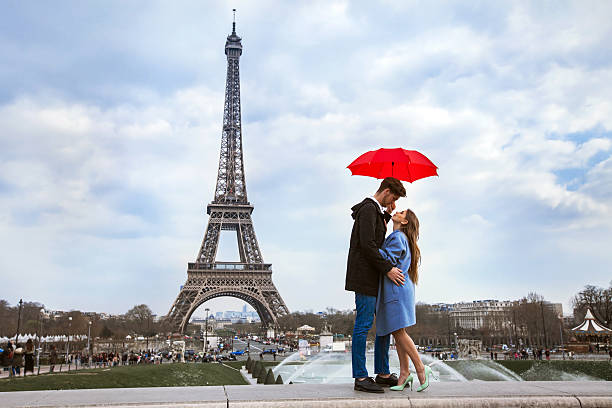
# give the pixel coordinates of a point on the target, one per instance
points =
(335, 368)
(484, 370)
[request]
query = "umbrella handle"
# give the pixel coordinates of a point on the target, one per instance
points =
(392, 164)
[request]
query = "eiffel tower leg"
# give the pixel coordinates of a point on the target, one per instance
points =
(210, 244)
(276, 303)
(248, 241)
(180, 309)
(241, 250)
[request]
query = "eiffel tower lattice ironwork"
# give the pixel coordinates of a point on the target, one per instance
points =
(251, 278)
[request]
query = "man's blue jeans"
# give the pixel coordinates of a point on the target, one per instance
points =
(366, 308)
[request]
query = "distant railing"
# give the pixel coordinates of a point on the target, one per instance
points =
(230, 266)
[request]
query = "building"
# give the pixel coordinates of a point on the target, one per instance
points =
(478, 313)
(488, 312)
(238, 317)
(556, 308)
(222, 323)
(569, 320)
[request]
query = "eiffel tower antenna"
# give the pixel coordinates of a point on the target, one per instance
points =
(250, 279)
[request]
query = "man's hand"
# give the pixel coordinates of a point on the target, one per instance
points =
(391, 207)
(396, 276)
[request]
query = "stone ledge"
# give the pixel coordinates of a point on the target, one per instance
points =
(458, 402)
(466, 394)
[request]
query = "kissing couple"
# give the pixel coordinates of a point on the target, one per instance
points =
(382, 273)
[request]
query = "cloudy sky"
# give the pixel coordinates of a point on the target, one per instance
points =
(110, 128)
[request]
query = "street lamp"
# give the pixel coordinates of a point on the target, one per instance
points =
(88, 349)
(18, 322)
(509, 333)
(148, 332)
(206, 333)
(561, 337)
(514, 326)
(448, 327)
(39, 338)
(68, 342)
(543, 324)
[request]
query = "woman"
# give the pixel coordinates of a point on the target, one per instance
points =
(17, 360)
(395, 304)
(29, 357)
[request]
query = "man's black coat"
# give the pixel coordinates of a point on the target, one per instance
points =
(365, 264)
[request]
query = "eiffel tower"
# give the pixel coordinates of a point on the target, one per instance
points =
(251, 278)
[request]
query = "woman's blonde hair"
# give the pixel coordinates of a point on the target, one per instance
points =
(411, 230)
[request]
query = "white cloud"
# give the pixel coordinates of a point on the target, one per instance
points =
(104, 184)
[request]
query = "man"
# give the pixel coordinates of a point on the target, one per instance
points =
(52, 359)
(5, 358)
(364, 267)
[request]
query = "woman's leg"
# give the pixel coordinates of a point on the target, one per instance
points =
(410, 349)
(402, 354)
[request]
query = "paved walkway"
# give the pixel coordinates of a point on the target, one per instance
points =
(44, 369)
(464, 394)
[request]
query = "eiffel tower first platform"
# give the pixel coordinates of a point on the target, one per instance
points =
(251, 278)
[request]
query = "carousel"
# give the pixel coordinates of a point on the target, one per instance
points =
(590, 334)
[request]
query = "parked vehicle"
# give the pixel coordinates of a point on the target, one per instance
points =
(226, 357)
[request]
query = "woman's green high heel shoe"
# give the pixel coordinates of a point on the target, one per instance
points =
(400, 387)
(428, 373)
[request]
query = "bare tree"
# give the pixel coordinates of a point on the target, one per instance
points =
(598, 299)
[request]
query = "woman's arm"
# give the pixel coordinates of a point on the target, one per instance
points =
(394, 249)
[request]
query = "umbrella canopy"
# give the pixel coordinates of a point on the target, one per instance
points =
(407, 165)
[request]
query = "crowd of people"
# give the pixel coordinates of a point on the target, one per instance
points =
(14, 357)
(451, 355)
(536, 354)
(18, 360)
(114, 359)
(523, 354)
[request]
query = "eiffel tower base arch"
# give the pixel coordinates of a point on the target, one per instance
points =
(252, 286)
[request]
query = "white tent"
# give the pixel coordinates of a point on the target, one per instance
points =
(305, 328)
(590, 325)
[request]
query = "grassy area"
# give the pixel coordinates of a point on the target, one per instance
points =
(164, 375)
(532, 370)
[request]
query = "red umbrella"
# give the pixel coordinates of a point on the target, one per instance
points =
(407, 165)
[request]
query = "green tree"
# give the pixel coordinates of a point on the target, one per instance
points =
(140, 320)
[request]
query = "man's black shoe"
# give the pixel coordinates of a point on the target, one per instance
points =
(389, 381)
(368, 385)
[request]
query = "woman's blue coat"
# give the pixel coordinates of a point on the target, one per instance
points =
(395, 304)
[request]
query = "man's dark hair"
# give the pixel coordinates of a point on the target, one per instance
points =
(394, 185)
